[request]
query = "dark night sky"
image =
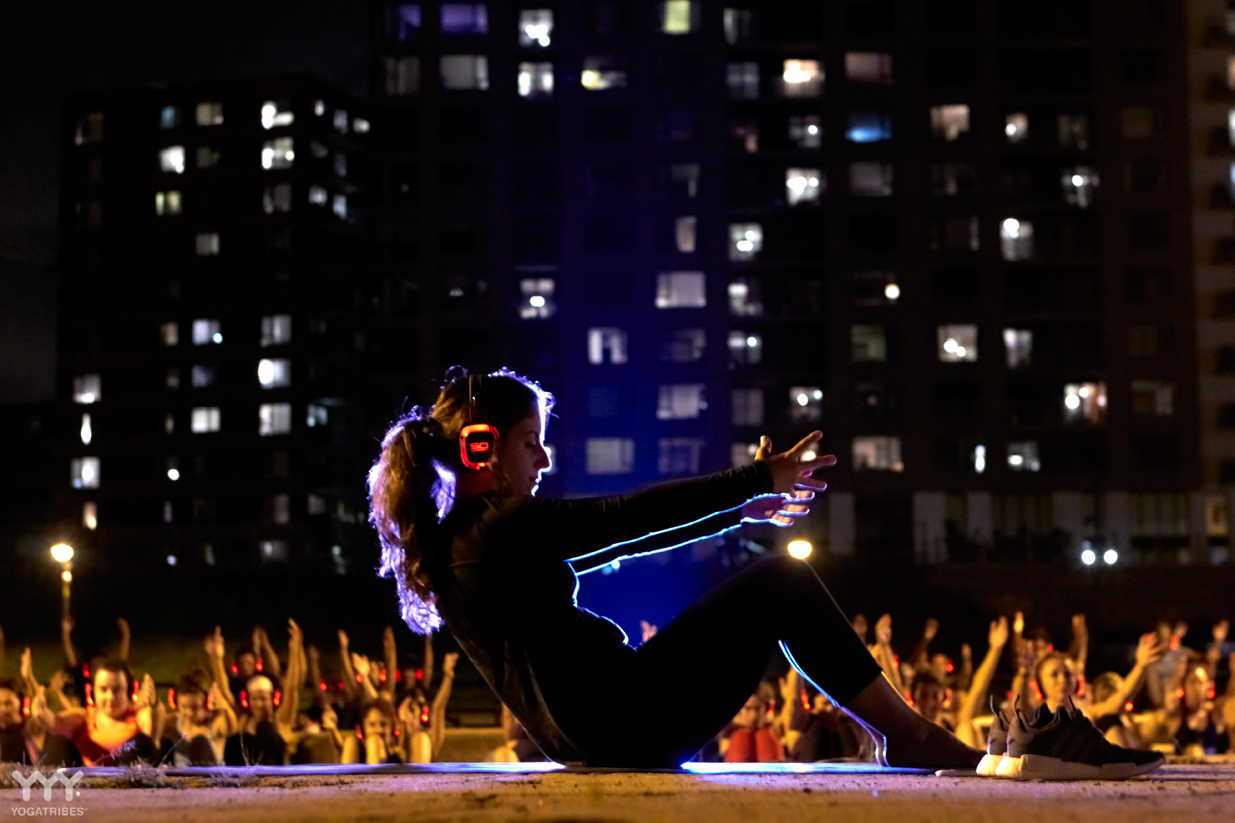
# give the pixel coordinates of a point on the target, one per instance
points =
(53, 48)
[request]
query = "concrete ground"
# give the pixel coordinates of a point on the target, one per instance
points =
(1195, 793)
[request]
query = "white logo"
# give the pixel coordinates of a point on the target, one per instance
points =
(55, 777)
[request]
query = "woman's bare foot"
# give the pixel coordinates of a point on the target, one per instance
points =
(905, 738)
(932, 747)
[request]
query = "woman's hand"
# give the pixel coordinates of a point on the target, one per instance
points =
(998, 635)
(777, 508)
(792, 470)
(1148, 650)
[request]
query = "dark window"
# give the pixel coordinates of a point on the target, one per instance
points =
(951, 68)
(608, 124)
(1224, 303)
(1224, 360)
(1154, 453)
(609, 16)
(948, 15)
(461, 239)
(1226, 416)
(537, 238)
(1226, 474)
(401, 184)
(679, 71)
(874, 399)
(869, 16)
(610, 401)
(607, 181)
(1149, 231)
(956, 288)
(678, 126)
(1054, 71)
(464, 125)
(1148, 285)
(610, 290)
(463, 181)
(1145, 174)
(535, 182)
(611, 234)
(535, 128)
(1142, 68)
(872, 232)
(958, 398)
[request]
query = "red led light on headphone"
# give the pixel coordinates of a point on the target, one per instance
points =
(478, 445)
(25, 706)
(1128, 707)
(420, 674)
(171, 698)
(322, 685)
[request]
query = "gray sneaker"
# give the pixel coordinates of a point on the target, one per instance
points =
(996, 743)
(1065, 745)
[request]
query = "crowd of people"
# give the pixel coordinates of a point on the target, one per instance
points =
(257, 708)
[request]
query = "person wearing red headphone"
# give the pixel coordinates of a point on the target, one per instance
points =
(267, 716)
(116, 726)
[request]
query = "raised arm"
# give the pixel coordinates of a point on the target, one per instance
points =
(1079, 650)
(265, 652)
(426, 662)
(391, 654)
(919, 658)
(218, 672)
(997, 638)
(126, 637)
(351, 687)
(285, 714)
(437, 712)
(1213, 655)
(1148, 651)
(66, 641)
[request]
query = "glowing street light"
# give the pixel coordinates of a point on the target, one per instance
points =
(1110, 556)
(800, 549)
(62, 553)
(1088, 557)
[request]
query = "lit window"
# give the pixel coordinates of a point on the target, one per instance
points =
(209, 114)
(868, 67)
(338, 205)
(870, 179)
(172, 159)
(535, 80)
(805, 404)
(604, 72)
(977, 459)
(277, 198)
(681, 290)
(679, 455)
(274, 551)
(319, 107)
(877, 454)
(206, 244)
(402, 75)
(803, 185)
(876, 287)
(204, 419)
(537, 297)
(742, 454)
(276, 329)
(739, 25)
(205, 332)
(274, 418)
(1078, 186)
(406, 21)
(315, 504)
(747, 407)
(1019, 346)
(868, 127)
(339, 121)
(87, 431)
(169, 423)
(173, 378)
(806, 131)
(170, 332)
(745, 348)
(340, 164)
(684, 230)
(166, 202)
(90, 516)
(278, 153)
(610, 455)
(1084, 402)
(1153, 397)
(207, 158)
(316, 415)
(281, 508)
(89, 128)
(318, 196)
(679, 17)
(465, 71)
(274, 373)
(361, 125)
(203, 376)
(1016, 127)
(745, 241)
(87, 388)
(1230, 72)
(1073, 131)
(1016, 239)
(276, 113)
(868, 344)
(168, 514)
(606, 345)
(684, 346)
(680, 401)
(84, 472)
(465, 18)
(682, 179)
(958, 343)
(949, 122)
(169, 117)
(1023, 456)
(536, 27)
(744, 297)
(802, 78)
(742, 80)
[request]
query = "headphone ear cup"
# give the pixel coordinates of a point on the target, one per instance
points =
(244, 699)
(278, 696)
(209, 701)
(89, 695)
(171, 699)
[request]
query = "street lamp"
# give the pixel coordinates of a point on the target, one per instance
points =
(800, 549)
(62, 553)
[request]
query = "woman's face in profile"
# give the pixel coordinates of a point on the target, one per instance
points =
(1056, 680)
(522, 456)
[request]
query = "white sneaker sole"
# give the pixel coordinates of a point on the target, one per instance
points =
(989, 766)
(1039, 767)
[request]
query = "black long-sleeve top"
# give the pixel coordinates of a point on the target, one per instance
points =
(507, 589)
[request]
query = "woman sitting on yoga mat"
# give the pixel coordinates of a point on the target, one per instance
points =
(475, 549)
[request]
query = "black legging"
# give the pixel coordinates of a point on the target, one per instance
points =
(682, 686)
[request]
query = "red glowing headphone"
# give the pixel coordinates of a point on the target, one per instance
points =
(276, 697)
(171, 700)
(478, 442)
(136, 687)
